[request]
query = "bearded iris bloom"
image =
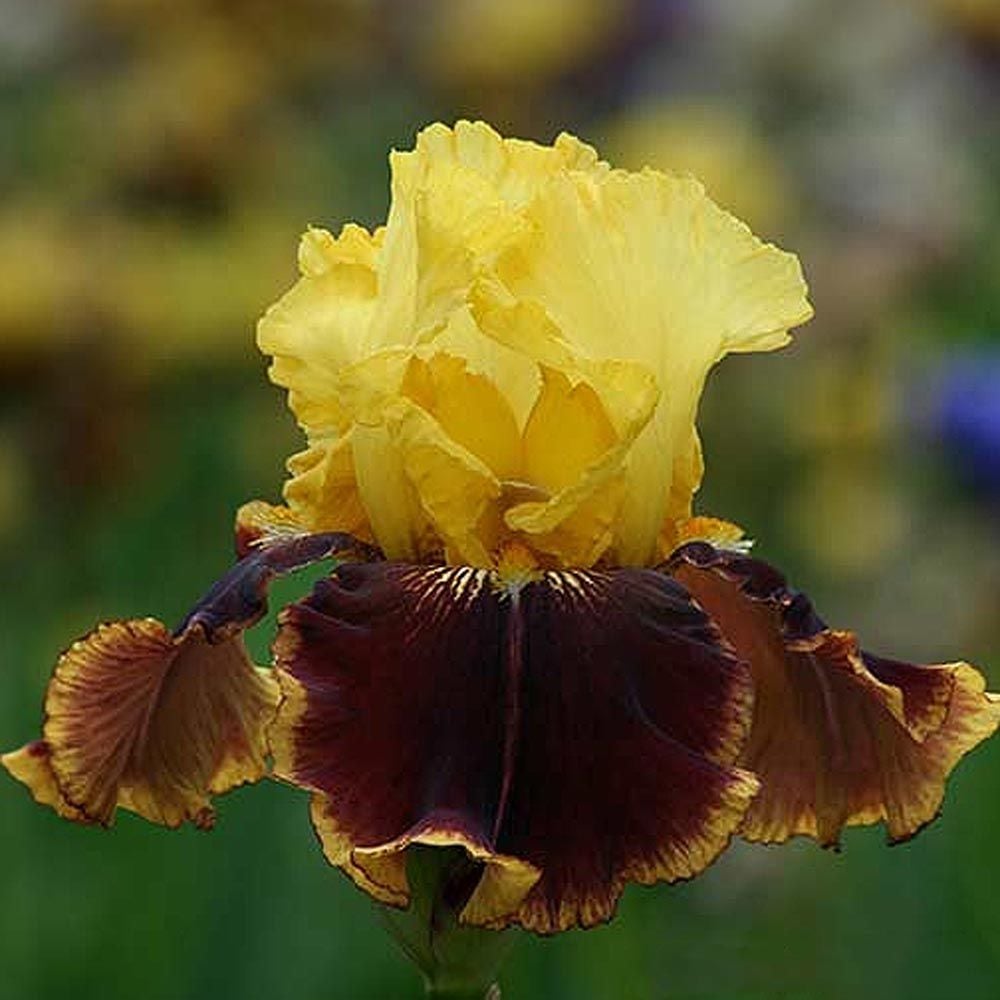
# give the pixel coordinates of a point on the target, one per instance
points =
(529, 649)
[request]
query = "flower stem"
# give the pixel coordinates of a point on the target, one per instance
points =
(458, 962)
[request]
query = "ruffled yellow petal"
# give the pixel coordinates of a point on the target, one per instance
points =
(323, 492)
(514, 373)
(567, 432)
(457, 201)
(572, 451)
(321, 323)
(579, 435)
(515, 169)
(397, 519)
(531, 333)
(453, 486)
(469, 408)
(644, 267)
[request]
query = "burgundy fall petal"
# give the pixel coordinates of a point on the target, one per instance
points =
(839, 737)
(573, 733)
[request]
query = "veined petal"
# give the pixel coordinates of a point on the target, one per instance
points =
(630, 707)
(572, 732)
(645, 268)
(138, 718)
(259, 522)
(839, 737)
(159, 722)
(404, 725)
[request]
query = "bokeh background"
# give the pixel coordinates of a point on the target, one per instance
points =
(158, 159)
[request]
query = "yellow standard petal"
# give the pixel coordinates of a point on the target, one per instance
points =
(646, 268)
(519, 354)
(320, 324)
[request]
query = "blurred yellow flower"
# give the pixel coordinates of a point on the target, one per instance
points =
(714, 143)
(979, 16)
(512, 41)
(518, 355)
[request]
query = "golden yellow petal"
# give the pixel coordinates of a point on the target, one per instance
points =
(453, 486)
(516, 169)
(469, 409)
(457, 201)
(397, 519)
(320, 252)
(567, 432)
(501, 257)
(627, 390)
(576, 528)
(323, 492)
(579, 434)
(321, 324)
(645, 268)
(514, 373)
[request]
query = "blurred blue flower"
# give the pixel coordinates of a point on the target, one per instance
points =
(966, 416)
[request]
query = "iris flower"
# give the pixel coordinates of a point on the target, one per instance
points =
(528, 649)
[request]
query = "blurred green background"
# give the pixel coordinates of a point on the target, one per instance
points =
(157, 162)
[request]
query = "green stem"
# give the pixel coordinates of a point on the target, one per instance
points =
(458, 962)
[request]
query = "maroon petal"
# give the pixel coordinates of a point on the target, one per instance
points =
(158, 722)
(573, 733)
(839, 736)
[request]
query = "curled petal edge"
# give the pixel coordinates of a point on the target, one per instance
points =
(158, 722)
(840, 737)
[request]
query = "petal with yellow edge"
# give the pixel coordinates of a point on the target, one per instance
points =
(839, 737)
(32, 766)
(573, 731)
(158, 722)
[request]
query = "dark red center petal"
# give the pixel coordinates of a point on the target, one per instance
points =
(839, 737)
(582, 726)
